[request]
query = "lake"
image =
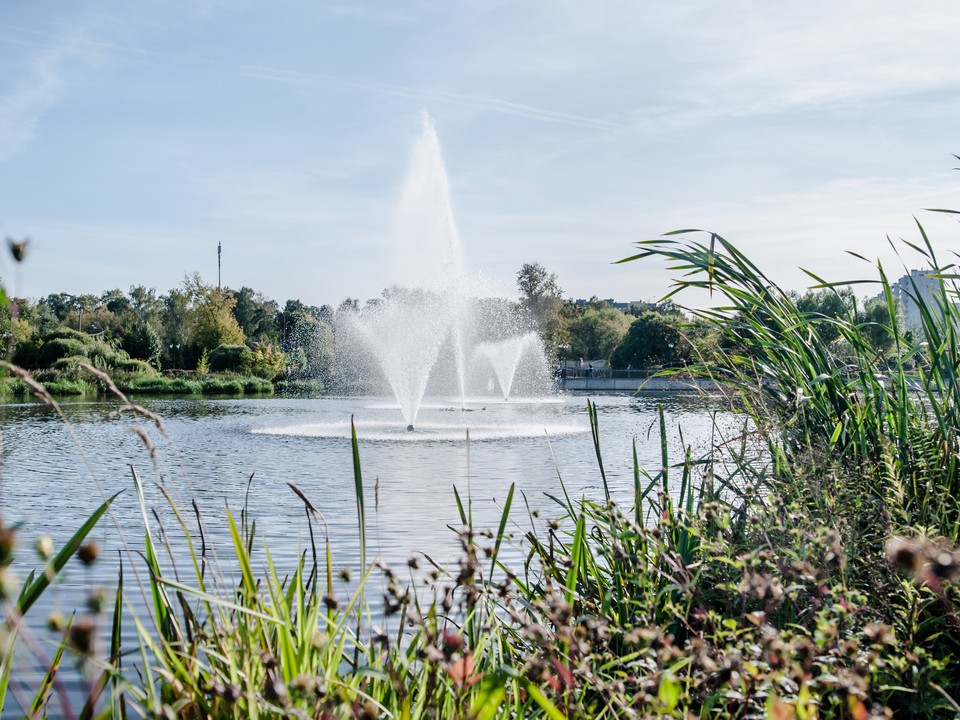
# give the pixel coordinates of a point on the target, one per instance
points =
(237, 452)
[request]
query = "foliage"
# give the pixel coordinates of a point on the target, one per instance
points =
(209, 318)
(136, 366)
(598, 332)
(541, 297)
(304, 388)
(652, 339)
(230, 358)
(142, 343)
(306, 341)
(255, 314)
(56, 348)
(19, 598)
(27, 353)
(159, 385)
(267, 362)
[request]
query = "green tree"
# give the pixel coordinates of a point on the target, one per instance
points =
(653, 339)
(874, 323)
(146, 306)
(255, 315)
(541, 298)
(60, 304)
(823, 306)
(210, 321)
(597, 333)
(306, 339)
(142, 342)
(176, 309)
(540, 293)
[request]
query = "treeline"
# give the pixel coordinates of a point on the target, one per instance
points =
(194, 327)
(200, 330)
(648, 335)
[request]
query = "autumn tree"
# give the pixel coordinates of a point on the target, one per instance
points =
(207, 313)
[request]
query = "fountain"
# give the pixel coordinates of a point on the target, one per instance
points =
(504, 356)
(427, 336)
(405, 336)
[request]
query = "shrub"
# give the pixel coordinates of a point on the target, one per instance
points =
(300, 387)
(653, 339)
(103, 356)
(65, 333)
(267, 362)
(231, 358)
(142, 343)
(159, 385)
(257, 386)
(26, 354)
(60, 347)
(68, 386)
(141, 367)
(222, 386)
(69, 363)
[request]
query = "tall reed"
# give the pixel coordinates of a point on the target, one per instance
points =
(893, 417)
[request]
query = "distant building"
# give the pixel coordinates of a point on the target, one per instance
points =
(918, 284)
(623, 307)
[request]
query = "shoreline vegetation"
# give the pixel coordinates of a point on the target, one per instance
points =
(65, 384)
(816, 579)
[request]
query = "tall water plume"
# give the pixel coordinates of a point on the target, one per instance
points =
(437, 316)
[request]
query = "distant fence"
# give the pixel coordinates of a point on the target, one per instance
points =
(610, 380)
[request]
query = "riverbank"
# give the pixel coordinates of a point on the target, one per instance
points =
(79, 384)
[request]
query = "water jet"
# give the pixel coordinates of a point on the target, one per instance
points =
(431, 335)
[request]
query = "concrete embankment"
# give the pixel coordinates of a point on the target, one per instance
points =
(608, 384)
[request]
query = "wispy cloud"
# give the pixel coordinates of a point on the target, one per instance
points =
(25, 101)
(428, 95)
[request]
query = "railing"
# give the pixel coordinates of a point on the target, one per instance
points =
(606, 373)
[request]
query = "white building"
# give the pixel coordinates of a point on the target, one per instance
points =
(918, 284)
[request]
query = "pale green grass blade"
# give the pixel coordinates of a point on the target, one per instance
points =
(503, 526)
(358, 487)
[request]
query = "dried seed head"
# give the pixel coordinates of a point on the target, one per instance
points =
(879, 633)
(88, 553)
(9, 584)
(44, 546)
(56, 622)
(18, 248)
(7, 542)
(97, 600)
(82, 635)
(452, 643)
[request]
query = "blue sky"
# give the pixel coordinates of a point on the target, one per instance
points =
(136, 136)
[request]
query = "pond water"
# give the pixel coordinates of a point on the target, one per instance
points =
(237, 452)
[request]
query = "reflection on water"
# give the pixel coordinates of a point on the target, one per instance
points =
(244, 452)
